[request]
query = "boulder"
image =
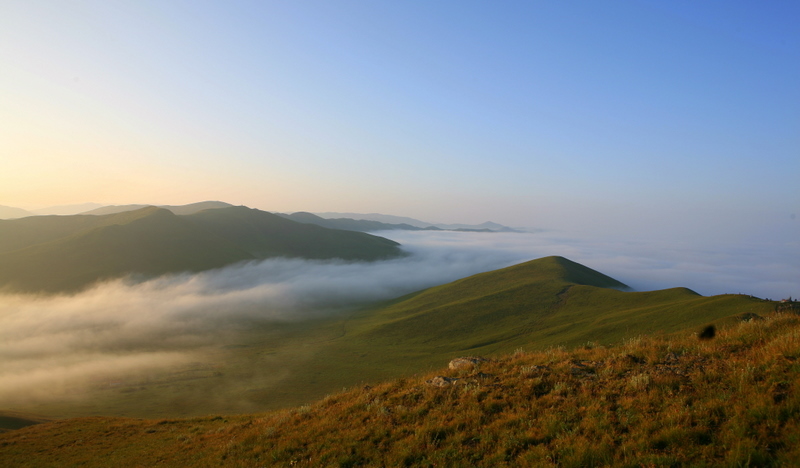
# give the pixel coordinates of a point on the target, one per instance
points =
(441, 381)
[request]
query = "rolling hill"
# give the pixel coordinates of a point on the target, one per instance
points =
(546, 302)
(535, 305)
(67, 253)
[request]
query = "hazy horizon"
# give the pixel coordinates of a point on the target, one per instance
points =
(763, 262)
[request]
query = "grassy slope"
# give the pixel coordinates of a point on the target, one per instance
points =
(733, 401)
(534, 305)
(66, 253)
(546, 302)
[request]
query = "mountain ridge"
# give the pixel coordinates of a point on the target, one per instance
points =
(350, 224)
(191, 208)
(345, 221)
(394, 220)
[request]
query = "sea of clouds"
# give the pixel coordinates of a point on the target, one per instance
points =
(50, 342)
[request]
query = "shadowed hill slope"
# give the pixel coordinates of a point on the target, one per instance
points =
(10, 420)
(21, 233)
(66, 253)
(734, 401)
(150, 241)
(266, 235)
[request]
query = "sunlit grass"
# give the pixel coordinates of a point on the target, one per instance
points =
(651, 401)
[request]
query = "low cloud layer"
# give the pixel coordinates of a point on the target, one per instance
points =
(119, 328)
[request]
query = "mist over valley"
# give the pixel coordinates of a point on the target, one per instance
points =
(59, 352)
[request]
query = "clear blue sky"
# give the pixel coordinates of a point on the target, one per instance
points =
(642, 116)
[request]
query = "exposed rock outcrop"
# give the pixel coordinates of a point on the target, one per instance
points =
(441, 381)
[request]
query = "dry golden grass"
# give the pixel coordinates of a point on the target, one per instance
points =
(730, 401)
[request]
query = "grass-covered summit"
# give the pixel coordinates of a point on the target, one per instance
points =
(547, 301)
(67, 253)
(550, 301)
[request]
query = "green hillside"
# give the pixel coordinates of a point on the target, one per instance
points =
(546, 302)
(67, 253)
(733, 401)
(535, 305)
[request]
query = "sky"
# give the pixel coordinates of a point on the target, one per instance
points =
(647, 119)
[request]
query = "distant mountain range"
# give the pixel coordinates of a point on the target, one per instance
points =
(67, 253)
(177, 209)
(389, 222)
(345, 221)
(66, 210)
(10, 212)
(350, 224)
(388, 219)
